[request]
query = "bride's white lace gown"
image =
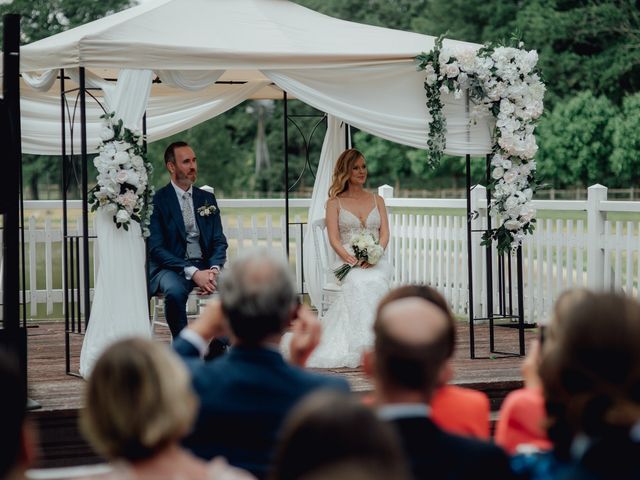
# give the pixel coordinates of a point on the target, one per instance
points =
(347, 324)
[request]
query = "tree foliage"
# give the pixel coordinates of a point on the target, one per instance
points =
(576, 141)
(625, 159)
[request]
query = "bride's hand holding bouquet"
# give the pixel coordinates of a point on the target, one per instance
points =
(366, 252)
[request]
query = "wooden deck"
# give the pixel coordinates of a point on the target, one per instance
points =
(60, 395)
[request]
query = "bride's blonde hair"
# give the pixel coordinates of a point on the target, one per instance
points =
(342, 171)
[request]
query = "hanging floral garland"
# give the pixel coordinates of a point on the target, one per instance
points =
(123, 176)
(505, 82)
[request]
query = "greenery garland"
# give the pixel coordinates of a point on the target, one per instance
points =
(502, 81)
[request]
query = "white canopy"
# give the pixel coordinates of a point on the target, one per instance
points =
(362, 74)
(359, 74)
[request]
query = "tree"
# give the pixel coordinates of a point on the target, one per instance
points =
(625, 159)
(41, 19)
(575, 142)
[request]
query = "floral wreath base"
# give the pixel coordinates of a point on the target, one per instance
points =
(123, 176)
(505, 82)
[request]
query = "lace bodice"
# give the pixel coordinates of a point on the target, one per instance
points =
(349, 223)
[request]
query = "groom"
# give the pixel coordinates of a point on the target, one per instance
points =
(187, 247)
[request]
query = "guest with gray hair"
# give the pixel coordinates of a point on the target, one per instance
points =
(246, 393)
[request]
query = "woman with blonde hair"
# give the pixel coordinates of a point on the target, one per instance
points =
(139, 405)
(352, 210)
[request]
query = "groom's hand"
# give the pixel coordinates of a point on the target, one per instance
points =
(203, 279)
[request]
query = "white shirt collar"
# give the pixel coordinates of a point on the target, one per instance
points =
(404, 410)
(180, 192)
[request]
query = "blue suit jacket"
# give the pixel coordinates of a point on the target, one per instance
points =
(244, 397)
(168, 237)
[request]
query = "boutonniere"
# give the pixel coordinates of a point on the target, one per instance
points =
(206, 210)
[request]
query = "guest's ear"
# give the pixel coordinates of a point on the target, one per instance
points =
(368, 363)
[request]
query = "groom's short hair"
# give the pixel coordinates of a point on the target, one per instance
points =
(170, 152)
(257, 292)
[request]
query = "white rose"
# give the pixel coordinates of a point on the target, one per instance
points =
(444, 57)
(122, 216)
(452, 70)
(121, 158)
(527, 213)
(431, 79)
(444, 90)
(497, 173)
(106, 133)
(511, 202)
(510, 176)
(374, 254)
(512, 225)
(121, 176)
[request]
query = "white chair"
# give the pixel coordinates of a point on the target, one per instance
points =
(326, 258)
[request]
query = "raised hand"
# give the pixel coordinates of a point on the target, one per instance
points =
(306, 331)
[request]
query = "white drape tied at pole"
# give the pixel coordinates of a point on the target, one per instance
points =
(332, 147)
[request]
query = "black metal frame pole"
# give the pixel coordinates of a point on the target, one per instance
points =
(65, 230)
(489, 257)
(520, 273)
(85, 196)
(472, 348)
(14, 332)
(286, 172)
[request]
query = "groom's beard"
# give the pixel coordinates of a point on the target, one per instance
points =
(186, 179)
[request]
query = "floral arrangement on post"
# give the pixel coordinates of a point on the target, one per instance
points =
(123, 176)
(502, 81)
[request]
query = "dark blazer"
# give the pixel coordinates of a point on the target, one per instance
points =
(244, 397)
(433, 453)
(168, 238)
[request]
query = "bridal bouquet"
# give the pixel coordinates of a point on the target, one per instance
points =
(365, 249)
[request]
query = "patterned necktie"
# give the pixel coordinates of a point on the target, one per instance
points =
(187, 212)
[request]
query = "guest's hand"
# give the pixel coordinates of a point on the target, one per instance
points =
(202, 278)
(211, 323)
(306, 335)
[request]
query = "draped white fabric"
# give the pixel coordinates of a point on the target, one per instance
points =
(386, 100)
(167, 114)
(189, 80)
(119, 307)
(332, 147)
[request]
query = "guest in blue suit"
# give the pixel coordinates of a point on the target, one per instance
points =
(187, 247)
(246, 393)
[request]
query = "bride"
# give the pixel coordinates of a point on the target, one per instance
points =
(347, 324)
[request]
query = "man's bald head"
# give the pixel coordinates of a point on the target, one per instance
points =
(412, 343)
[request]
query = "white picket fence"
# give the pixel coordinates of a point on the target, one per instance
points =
(428, 245)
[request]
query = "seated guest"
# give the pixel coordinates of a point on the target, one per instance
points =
(139, 404)
(17, 434)
(330, 432)
(413, 341)
(246, 393)
(590, 372)
(459, 410)
(522, 418)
